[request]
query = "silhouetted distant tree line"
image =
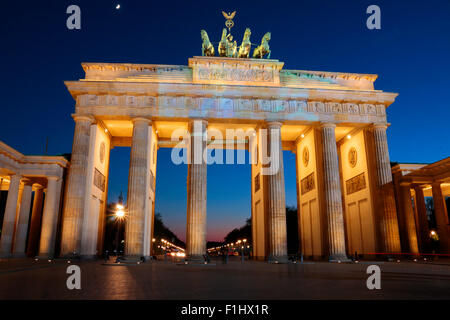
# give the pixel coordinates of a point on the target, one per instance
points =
(161, 231)
(245, 232)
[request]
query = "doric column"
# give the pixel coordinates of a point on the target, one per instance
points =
(440, 211)
(76, 187)
(137, 189)
(196, 192)
(35, 225)
(9, 218)
(422, 220)
(20, 236)
(387, 219)
(408, 218)
(333, 196)
(50, 218)
(276, 196)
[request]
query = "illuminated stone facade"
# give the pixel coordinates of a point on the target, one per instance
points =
(22, 176)
(327, 113)
(335, 123)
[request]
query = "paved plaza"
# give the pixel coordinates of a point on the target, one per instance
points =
(30, 279)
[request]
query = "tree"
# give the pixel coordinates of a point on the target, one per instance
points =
(245, 232)
(160, 231)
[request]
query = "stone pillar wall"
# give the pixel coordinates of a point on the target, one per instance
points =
(76, 187)
(423, 229)
(50, 218)
(137, 189)
(9, 217)
(35, 224)
(20, 236)
(333, 196)
(196, 193)
(387, 212)
(440, 211)
(408, 218)
(276, 197)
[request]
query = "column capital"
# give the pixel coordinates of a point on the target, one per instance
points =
(83, 117)
(435, 184)
(380, 126)
(276, 124)
(141, 119)
(15, 176)
(26, 182)
(204, 121)
(327, 125)
(54, 178)
(37, 186)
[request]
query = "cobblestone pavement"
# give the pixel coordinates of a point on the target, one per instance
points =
(30, 279)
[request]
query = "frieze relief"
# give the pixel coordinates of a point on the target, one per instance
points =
(355, 184)
(308, 184)
(229, 74)
(235, 104)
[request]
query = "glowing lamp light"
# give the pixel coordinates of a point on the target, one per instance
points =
(302, 135)
(119, 206)
(118, 6)
(433, 233)
(120, 214)
(349, 136)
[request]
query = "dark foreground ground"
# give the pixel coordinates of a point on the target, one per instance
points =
(30, 279)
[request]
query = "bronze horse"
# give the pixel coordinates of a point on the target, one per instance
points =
(264, 48)
(207, 47)
(246, 45)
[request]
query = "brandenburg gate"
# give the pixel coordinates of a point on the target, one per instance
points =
(334, 122)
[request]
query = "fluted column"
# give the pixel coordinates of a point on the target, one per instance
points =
(137, 189)
(388, 223)
(20, 236)
(9, 218)
(440, 211)
(35, 224)
(76, 187)
(333, 196)
(276, 196)
(424, 232)
(50, 218)
(410, 223)
(196, 193)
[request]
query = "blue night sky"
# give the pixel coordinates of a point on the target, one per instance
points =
(410, 54)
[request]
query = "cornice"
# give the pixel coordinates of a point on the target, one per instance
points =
(23, 159)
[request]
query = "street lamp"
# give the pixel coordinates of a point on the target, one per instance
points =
(120, 215)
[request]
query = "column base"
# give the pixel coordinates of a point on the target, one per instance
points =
(338, 258)
(5, 255)
(19, 255)
(195, 259)
(278, 259)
